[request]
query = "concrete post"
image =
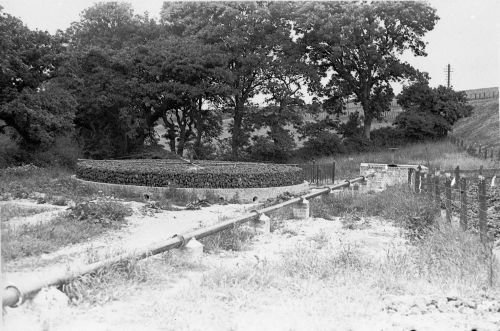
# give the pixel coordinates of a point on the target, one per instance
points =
(301, 210)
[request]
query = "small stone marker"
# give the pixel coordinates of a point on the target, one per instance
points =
(301, 210)
(192, 251)
(263, 224)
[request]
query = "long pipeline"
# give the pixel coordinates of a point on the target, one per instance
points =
(15, 294)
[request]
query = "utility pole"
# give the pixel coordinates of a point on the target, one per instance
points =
(448, 72)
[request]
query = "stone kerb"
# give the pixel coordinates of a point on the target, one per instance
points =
(242, 195)
(386, 175)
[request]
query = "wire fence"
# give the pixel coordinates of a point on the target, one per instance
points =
(477, 150)
(473, 201)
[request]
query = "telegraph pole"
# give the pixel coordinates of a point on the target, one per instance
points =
(448, 72)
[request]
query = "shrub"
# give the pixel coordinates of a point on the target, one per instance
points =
(389, 137)
(265, 149)
(208, 174)
(105, 213)
(357, 144)
(323, 144)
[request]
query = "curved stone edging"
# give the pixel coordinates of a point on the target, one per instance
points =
(242, 195)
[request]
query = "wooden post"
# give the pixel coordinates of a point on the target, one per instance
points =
(437, 191)
(457, 176)
(481, 195)
(333, 172)
(479, 152)
(429, 189)
(463, 204)
(447, 202)
(313, 176)
(317, 174)
(485, 153)
(410, 173)
(417, 180)
(480, 170)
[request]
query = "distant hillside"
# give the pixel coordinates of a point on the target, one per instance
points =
(483, 126)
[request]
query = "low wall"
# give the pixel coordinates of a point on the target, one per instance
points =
(242, 195)
(386, 175)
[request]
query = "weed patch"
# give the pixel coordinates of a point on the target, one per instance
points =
(84, 221)
(236, 238)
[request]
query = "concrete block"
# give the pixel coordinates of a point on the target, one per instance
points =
(301, 210)
(263, 224)
(192, 251)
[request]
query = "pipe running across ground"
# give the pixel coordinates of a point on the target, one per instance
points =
(15, 294)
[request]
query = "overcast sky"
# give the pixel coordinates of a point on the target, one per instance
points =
(467, 36)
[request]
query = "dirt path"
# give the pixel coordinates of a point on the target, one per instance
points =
(141, 231)
(221, 292)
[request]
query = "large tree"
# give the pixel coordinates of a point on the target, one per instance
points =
(112, 116)
(358, 47)
(248, 33)
(32, 104)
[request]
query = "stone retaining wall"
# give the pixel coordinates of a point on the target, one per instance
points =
(386, 175)
(242, 195)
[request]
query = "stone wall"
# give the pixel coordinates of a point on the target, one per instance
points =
(386, 175)
(243, 195)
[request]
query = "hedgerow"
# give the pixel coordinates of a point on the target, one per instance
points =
(207, 174)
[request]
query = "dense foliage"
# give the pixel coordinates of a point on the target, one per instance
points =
(430, 112)
(114, 76)
(171, 173)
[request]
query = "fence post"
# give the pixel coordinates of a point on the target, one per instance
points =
(317, 174)
(480, 170)
(481, 195)
(447, 202)
(410, 173)
(485, 153)
(417, 180)
(479, 152)
(437, 191)
(312, 171)
(429, 189)
(333, 172)
(463, 204)
(457, 176)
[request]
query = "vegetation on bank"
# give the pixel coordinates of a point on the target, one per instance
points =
(81, 222)
(205, 174)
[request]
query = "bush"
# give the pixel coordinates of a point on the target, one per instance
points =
(323, 144)
(422, 125)
(108, 214)
(264, 149)
(357, 144)
(389, 137)
(209, 174)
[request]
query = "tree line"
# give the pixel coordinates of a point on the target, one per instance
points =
(108, 79)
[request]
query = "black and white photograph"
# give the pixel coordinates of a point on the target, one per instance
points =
(250, 165)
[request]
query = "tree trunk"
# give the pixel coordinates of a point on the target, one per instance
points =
(238, 120)
(367, 127)
(199, 128)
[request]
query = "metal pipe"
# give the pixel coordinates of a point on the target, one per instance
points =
(13, 295)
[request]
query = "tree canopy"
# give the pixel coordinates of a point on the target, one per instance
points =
(115, 75)
(430, 112)
(357, 46)
(32, 104)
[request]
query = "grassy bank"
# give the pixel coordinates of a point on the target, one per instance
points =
(483, 126)
(439, 154)
(84, 221)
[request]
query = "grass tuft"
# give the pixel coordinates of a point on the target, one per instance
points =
(84, 221)
(236, 238)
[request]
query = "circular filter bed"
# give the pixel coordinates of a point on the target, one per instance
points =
(204, 174)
